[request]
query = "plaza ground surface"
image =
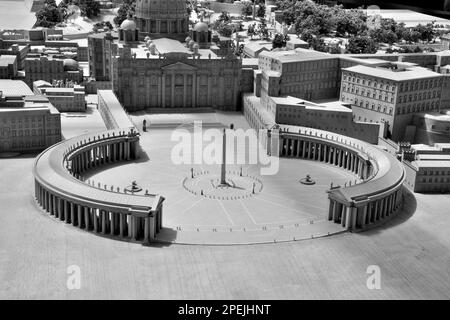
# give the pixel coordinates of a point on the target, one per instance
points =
(412, 251)
(284, 209)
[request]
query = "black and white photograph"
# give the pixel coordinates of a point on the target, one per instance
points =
(245, 151)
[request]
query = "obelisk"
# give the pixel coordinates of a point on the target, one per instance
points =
(224, 158)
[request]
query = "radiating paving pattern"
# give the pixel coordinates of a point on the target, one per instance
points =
(238, 185)
(356, 185)
(284, 210)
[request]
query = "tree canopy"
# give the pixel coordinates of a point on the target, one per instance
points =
(50, 14)
(314, 21)
(261, 12)
(361, 44)
(126, 8)
(279, 41)
(247, 9)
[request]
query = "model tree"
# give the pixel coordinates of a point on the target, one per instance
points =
(261, 13)
(49, 15)
(88, 8)
(251, 31)
(222, 24)
(349, 22)
(247, 9)
(225, 30)
(224, 17)
(126, 8)
(426, 32)
(361, 44)
(279, 41)
(262, 30)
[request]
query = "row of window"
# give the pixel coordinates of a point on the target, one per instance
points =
(415, 97)
(28, 143)
(371, 106)
(420, 85)
(34, 132)
(23, 119)
(435, 172)
(309, 76)
(418, 107)
(389, 86)
(309, 65)
(430, 180)
(47, 68)
(369, 93)
(308, 86)
(365, 119)
(414, 85)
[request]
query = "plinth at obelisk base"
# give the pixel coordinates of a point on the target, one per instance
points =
(230, 186)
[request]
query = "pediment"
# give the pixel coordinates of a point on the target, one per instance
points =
(179, 66)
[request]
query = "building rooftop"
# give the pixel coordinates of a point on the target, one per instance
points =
(442, 145)
(250, 63)
(30, 103)
(166, 45)
(14, 88)
(408, 73)
(332, 106)
(298, 54)
(423, 147)
(272, 73)
(431, 164)
(6, 60)
(444, 115)
(442, 157)
(296, 40)
(116, 109)
(41, 83)
(253, 47)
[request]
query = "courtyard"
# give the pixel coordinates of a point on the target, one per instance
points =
(280, 209)
(412, 250)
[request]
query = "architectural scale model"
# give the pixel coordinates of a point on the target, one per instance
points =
(162, 148)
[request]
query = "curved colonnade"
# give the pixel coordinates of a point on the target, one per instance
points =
(61, 193)
(357, 206)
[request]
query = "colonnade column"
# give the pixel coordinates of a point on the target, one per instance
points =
(364, 215)
(330, 209)
(86, 218)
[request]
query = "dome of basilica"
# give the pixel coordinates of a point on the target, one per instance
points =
(171, 9)
(167, 17)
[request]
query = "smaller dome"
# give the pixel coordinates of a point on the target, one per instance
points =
(128, 24)
(146, 38)
(191, 43)
(195, 46)
(201, 27)
(187, 39)
(152, 46)
(70, 64)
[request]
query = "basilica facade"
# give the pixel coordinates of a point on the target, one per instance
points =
(163, 72)
(177, 81)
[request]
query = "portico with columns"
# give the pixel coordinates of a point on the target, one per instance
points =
(61, 193)
(374, 198)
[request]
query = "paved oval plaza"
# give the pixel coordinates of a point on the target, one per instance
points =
(406, 248)
(280, 209)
